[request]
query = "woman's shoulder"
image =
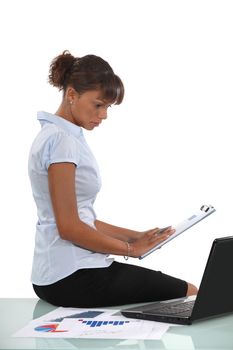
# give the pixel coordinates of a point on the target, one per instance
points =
(51, 133)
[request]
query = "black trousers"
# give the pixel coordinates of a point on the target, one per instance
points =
(117, 284)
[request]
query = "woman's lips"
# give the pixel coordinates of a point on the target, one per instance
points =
(96, 123)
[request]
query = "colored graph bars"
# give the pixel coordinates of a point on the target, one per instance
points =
(85, 314)
(93, 324)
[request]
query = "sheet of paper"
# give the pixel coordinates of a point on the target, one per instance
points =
(60, 313)
(91, 323)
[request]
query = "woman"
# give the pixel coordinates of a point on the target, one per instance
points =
(71, 265)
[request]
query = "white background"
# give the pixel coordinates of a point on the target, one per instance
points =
(163, 153)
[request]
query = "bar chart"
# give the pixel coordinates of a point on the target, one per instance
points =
(96, 324)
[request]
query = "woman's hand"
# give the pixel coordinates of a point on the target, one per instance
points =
(148, 240)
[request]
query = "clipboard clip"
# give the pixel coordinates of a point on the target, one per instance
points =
(206, 208)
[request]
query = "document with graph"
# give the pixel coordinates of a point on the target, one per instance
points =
(91, 324)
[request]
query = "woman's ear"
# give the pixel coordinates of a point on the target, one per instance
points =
(70, 94)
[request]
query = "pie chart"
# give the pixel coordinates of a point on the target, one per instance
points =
(50, 328)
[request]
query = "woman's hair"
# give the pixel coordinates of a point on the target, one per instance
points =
(86, 73)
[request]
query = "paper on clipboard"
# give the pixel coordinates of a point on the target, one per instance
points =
(201, 214)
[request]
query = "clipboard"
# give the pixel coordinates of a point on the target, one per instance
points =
(201, 214)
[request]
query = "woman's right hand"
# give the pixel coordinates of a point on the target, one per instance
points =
(148, 240)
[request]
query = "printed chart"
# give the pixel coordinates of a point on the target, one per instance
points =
(85, 314)
(94, 324)
(109, 328)
(90, 324)
(51, 328)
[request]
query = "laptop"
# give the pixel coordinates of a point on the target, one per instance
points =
(214, 298)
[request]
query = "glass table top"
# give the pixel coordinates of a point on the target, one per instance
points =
(214, 334)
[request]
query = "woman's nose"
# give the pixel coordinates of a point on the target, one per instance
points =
(103, 114)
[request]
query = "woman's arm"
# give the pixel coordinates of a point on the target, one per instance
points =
(70, 227)
(117, 232)
(61, 178)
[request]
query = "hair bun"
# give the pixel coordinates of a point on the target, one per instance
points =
(60, 68)
(89, 72)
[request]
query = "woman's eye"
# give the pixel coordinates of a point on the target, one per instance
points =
(99, 105)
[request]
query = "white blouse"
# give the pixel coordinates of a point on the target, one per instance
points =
(61, 141)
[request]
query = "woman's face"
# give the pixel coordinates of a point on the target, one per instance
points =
(87, 109)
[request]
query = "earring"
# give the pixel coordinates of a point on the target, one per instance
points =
(71, 102)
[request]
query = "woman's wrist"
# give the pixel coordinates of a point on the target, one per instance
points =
(126, 257)
(129, 250)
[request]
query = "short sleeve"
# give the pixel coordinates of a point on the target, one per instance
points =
(62, 147)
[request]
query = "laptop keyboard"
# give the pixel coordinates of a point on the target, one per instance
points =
(181, 309)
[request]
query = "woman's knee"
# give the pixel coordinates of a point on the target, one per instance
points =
(192, 290)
